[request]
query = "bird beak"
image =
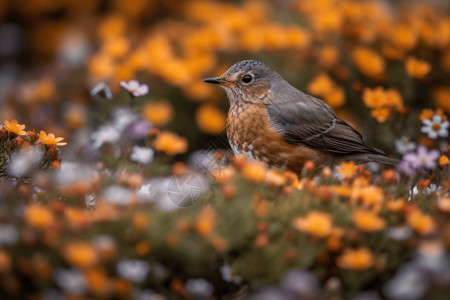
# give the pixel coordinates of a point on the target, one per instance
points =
(218, 80)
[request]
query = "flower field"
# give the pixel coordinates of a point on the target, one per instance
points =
(117, 180)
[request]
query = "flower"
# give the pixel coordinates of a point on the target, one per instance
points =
(210, 119)
(422, 158)
(102, 89)
(300, 283)
(25, 160)
(80, 254)
(38, 216)
(70, 280)
(404, 145)
(134, 270)
(170, 143)
(105, 134)
(15, 127)
(158, 113)
(417, 68)
(381, 101)
(420, 222)
(347, 169)
(135, 88)
(199, 287)
(435, 127)
(254, 171)
(143, 155)
(139, 129)
(356, 259)
(117, 194)
(8, 235)
(368, 221)
(369, 62)
(50, 139)
(229, 275)
(315, 223)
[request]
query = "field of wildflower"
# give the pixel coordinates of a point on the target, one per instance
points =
(117, 180)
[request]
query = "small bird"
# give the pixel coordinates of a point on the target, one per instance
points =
(271, 121)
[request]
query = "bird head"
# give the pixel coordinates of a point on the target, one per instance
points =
(249, 81)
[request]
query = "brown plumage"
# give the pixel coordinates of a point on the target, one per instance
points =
(271, 121)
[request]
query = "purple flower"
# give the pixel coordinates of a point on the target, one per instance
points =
(417, 160)
(135, 88)
(139, 129)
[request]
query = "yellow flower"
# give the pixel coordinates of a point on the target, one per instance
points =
(369, 62)
(368, 221)
(417, 68)
(315, 223)
(320, 85)
(347, 169)
(210, 119)
(420, 222)
(50, 139)
(254, 171)
(14, 127)
(158, 113)
(170, 143)
(356, 259)
(443, 160)
(80, 254)
(38, 216)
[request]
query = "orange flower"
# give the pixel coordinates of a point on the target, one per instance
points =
(368, 221)
(395, 205)
(206, 221)
(170, 143)
(381, 101)
(428, 114)
(440, 98)
(369, 197)
(259, 204)
(368, 61)
(275, 178)
(5, 261)
(223, 175)
(356, 259)
(50, 139)
(420, 222)
(341, 190)
(335, 98)
(38, 216)
(404, 37)
(315, 223)
(254, 171)
(347, 169)
(443, 160)
(98, 281)
(158, 113)
(210, 119)
(80, 254)
(417, 68)
(320, 85)
(140, 220)
(15, 127)
(443, 204)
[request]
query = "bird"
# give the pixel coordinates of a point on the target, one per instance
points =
(271, 121)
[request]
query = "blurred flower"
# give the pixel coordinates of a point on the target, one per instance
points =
(170, 143)
(382, 101)
(133, 270)
(199, 287)
(320, 85)
(368, 61)
(117, 194)
(210, 119)
(50, 139)
(143, 155)
(102, 89)
(229, 275)
(139, 128)
(73, 49)
(158, 113)
(409, 282)
(80, 254)
(204, 160)
(271, 293)
(25, 160)
(145, 194)
(301, 283)
(105, 134)
(14, 127)
(417, 68)
(404, 145)
(420, 222)
(90, 200)
(71, 281)
(8, 235)
(254, 171)
(105, 245)
(370, 295)
(356, 259)
(346, 169)
(435, 127)
(123, 117)
(315, 223)
(368, 221)
(135, 88)
(75, 172)
(38, 216)
(399, 233)
(422, 158)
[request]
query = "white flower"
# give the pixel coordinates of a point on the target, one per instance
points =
(25, 160)
(73, 172)
(135, 88)
(404, 145)
(142, 155)
(229, 275)
(105, 134)
(123, 117)
(104, 242)
(89, 200)
(8, 235)
(102, 89)
(144, 194)
(134, 270)
(436, 127)
(117, 194)
(199, 287)
(70, 280)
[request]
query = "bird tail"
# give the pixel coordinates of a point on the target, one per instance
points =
(381, 158)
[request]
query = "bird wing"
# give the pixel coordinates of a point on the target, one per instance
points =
(314, 124)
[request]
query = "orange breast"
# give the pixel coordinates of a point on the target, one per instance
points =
(250, 133)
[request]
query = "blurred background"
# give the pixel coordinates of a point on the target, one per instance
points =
(370, 60)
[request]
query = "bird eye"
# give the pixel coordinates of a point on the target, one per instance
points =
(247, 78)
